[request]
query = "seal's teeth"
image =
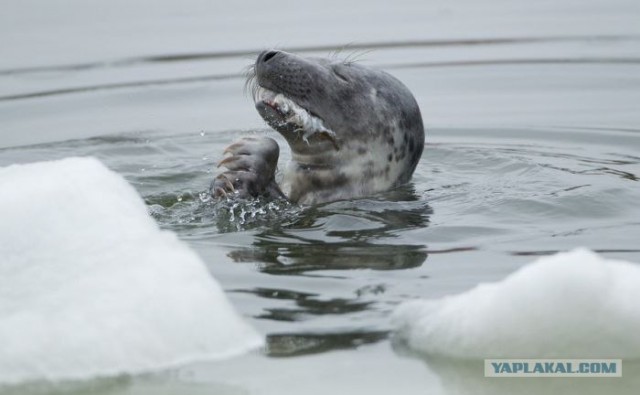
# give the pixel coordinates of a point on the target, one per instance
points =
(308, 124)
(262, 94)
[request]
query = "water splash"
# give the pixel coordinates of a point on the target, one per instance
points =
(236, 215)
(190, 211)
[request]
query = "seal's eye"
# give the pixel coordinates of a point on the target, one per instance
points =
(339, 74)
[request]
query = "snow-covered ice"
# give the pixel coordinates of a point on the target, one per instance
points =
(574, 304)
(89, 285)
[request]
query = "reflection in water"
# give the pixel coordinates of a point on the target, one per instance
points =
(360, 234)
(300, 258)
(307, 304)
(296, 344)
(345, 235)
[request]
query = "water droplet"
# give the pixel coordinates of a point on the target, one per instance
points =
(202, 133)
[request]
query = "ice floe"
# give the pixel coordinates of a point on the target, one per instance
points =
(569, 305)
(90, 286)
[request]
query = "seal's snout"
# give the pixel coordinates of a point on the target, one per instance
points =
(271, 72)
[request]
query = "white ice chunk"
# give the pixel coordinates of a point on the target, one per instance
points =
(570, 305)
(89, 285)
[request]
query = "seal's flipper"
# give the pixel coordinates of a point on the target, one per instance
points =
(251, 169)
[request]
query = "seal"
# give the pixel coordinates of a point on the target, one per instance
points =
(353, 131)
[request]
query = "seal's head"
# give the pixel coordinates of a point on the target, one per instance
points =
(352, 130)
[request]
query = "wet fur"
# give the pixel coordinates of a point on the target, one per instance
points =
(377, 124)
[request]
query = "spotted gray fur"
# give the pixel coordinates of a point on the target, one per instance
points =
(353, 131)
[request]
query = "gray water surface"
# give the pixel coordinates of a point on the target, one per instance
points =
(533, 147)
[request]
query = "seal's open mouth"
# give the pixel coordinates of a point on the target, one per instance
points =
(285, 112)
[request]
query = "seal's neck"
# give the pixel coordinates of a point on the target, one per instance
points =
(311, 161)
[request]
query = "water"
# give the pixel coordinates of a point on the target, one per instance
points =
(533, 147)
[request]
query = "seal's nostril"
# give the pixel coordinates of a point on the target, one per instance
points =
(269, 55)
